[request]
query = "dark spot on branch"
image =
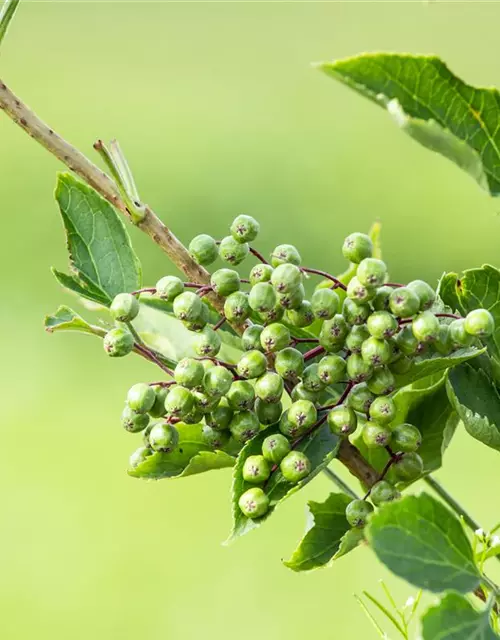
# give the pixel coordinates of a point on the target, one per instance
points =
(23, 122)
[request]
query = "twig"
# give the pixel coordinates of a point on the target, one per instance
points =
(316, 351)
(220, 323)
(328, 276)
(258, 255)
(340, 483)
(146, 290)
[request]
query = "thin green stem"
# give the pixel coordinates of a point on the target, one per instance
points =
(6, 15)
(126, 176)
(340, 483)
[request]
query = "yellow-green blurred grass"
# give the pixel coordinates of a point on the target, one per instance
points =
(219, 112)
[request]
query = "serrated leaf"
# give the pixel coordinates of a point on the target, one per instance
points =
(76, 285)
(320, 446)
(477, 402)
(65, 319)
(432, 105)
(419, 540)
(327, 525)
(99, 246)
(208, 461)
(349, 541)
(454, 618)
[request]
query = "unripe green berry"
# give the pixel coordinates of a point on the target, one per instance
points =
(295, 466)
(245, 228)
(260, 273)
(217, 381)
(303, 414)
(286, 277)
(163, 437)
(196, 415)
(203, 249)
(425, 293)
(133, 421)
(285, 253)
(325, 303)
(169, 288)
(406, 438)
(256, 469)
(145, 435)
(331, 369)
(225, 282)
(220, 417)
(275, 315)
(254, 503)
(141, 397)
(302, 316)
(299, 392)
(158, 408)
(355, 338)
(383, 491)
(406, 341)
(372, 272)
(268, 412)
(357, 247)
(189, 373)
(244, 426)
(118, 343)
(262, 297)
(425, 327)
(241, 395)
(383, 410)
(250, 340)
(275, 337)
(269, 387)
(292, 299)
(203, 403)
(275, 448)
(376, 352)
(459, 335)
(289, 364)
(404, 302)
(443, 343)
(380, 301)
(401, 365)
(311, 378)
(355, 313)
(359, 292)
(232, 251)
(358, 512)
(358, 369)
(289, 429)
(252, 364)
(139, 455)
(408, 468)
(124, 308)
(382, 324)
(207, 343)
(333, 332)
(360, 398)
(342, 420)
(236, 307)
(480, 323)
(179, 402)
(376, 435)
(198, 323)
(214, 438)
(187, 306)
(382, 382)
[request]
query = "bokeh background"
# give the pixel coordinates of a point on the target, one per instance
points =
(220, 112)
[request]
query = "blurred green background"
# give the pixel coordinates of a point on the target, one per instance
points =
(220, 113)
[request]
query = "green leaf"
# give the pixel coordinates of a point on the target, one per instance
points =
(191, 456)
(320, 446)
(6, 14)
(76, 285)
(454, 618)
(477, 402)
(418, 539)
(326, 527)
(65, 319)
(100, 251)
(435, 107)
(350, 540)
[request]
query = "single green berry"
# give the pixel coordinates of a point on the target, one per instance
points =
(359, 292)
(214, 438)
(289, 364)
(256, 469)
(355, 313)
(275, 448)
(406, 437)
(425, 293)
(480, 323)
(124, 308)
(358, 512)
(380, 302)
(401, 365)
(187, 306)
(244, 426)
(141, 397)
(443, 343)
(333, 332)
(163, 437)
(225, 282)
(383, 410)
(372, 272)
(203, 403)
(169, 288)
(425, 327)
(220, 417)
(269, 387)
(303, 414)
(252, 364)
(275, 337)
(331, 369)
(250, 340)
(203, 249)
(260, 273)
(287, 428)
(241, 395)
(299, 392)
(459, 335)
(360, 398)
(158, 408)
(382, 324)
(275, 315)
(232, 251)
(133, 421)
(325, 303)
(342, 420)
(376, 352)
(254, 503)
(358, 369)
(245, 228)
(262, 297)
(118, 343)
(404, 302)
(302, 316)
(207, 343)
(217, 381)
(196, 415)
(268, 412)
(236, 307)
(295, 466)
(292, 299)
(179, 402)
(189, 373)
(311, 379)
(409, 467)
(285, 253)
(406, 341)
(383, 491)
(382, 382)
(396, 353)
(198, 323)
(357, 247)
(286, 277)
(376, 435)
(145, 434)
(355, 338)
(139, 455)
